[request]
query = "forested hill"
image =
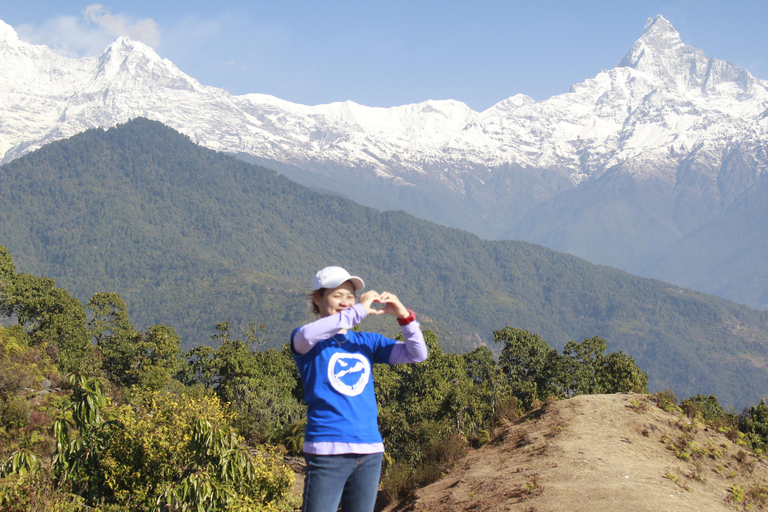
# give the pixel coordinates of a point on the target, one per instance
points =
(190, 238)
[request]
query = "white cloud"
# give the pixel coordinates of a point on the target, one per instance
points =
(147, 30)
(66, 35)
(81, 37)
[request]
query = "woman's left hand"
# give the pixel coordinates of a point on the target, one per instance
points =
(393, 305)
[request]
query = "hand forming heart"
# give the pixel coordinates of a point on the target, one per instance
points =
(373, 301)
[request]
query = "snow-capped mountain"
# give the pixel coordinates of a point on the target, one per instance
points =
(627, 162)
(662, 96)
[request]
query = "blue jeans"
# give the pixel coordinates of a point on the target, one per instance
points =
(350, 479)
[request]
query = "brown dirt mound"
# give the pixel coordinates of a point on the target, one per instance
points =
(601, 453)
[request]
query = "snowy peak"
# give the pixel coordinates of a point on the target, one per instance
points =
(660, 32)
(692, 129)
(661, 53)
(126, 62)
(655, 100)
(659, 46)
(7, 34)
(509, 105)
(124, 52)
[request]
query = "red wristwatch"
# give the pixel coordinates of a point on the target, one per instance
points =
(410, 318)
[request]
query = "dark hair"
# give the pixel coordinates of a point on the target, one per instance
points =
(316, 294)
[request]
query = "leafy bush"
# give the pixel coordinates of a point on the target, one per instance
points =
(26, 411)
(666, 399)
(262, 387)
(754, 424)
(25, 485)
(706, 407)
(14, 413)
(162, 448)
(226, 476)
(49, 315)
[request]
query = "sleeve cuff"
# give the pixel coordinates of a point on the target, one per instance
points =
(410, 318)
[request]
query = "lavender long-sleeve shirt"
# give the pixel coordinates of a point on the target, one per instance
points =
(414, 350)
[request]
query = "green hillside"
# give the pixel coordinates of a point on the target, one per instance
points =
(190, 237)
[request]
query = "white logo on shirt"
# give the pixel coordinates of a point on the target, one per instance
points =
(349, 373)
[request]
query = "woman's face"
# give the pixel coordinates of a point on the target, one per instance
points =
(336, 300)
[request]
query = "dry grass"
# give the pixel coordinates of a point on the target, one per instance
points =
(603, 453)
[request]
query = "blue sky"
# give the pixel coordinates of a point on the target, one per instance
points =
(393, 52)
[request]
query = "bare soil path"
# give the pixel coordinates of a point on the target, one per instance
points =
(601, 453)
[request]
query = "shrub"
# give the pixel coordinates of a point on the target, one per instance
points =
(703, 406)
(25, 485)
(397, 483)
(37, 492)
(666, 400)
(180, 451)
(225, 475)
(14, 413)
(159, 447)
(754, 424)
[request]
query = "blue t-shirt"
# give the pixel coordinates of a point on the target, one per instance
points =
(337, 374)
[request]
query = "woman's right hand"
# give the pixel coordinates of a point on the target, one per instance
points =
(367, 299)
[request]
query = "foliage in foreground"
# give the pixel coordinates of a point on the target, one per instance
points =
(158, 451)
(119, 434)
(142, 426)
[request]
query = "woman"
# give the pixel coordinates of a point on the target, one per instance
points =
(342, 444)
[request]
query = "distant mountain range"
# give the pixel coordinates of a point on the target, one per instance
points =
(656, 166)
(190, 237)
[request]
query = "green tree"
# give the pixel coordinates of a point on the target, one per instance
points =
(428, 410)
(49, 315)
(265, 396)
(754, 423)
(148, 360)
(583, 366)
(114, 336)
(7, 268)
(533, 369)
(158, 357)
(588, 371)
(81, 441)
(619, 374)
(201, 368)
(109, 317)
(491, 391)
(263, 388)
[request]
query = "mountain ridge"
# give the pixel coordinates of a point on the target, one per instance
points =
(190, 238)
(435, 124)
(683, 135)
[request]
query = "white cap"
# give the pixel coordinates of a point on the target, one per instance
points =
(331, 277)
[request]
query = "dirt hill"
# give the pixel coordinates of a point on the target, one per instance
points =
(601, 453)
